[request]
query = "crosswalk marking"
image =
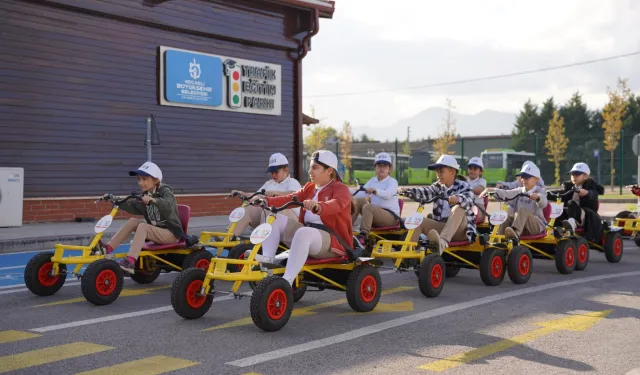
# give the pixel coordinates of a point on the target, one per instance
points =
(49, 355)
(12, 335)
(147, 366)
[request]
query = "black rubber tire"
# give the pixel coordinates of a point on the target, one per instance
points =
(237, 252)
(271, 287)
(31, 273)
(623, 214)
(88, 282)
(180, 293)
(566, 256)
(143, 276)
(582, 253)
(613, 247)
(362, 276)
(492, 266)
(299, 292)
(195, 257)
(431, 275)
(452, 271)
(520, 265)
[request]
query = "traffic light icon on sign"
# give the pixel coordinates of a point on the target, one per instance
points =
(233, 71)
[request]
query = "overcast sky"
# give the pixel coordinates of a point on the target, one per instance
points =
(383, 44)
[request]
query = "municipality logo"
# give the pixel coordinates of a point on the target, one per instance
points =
(194, 69)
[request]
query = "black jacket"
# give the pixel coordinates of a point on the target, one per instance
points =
(590, 200)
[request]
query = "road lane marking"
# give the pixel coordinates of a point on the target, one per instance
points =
(147, 366)
(13, 335)
(49, 355)
(409, 319)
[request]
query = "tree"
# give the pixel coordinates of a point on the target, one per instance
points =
(556, 143)
(364, 139)
(578, 122)
(406, 147)
(447, 138)
(525, 127)
(613, 114)
(346, 138)
(319, 134)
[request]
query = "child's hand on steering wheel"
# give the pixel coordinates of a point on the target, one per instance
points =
(370, 190)
(402, 190)
(310, 205)
(454, 199)
(534, 196)
(484, 193)
(583, 192)
(146, 199)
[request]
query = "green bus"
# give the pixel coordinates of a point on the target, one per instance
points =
(502, 164)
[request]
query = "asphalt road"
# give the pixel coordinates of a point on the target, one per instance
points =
(587, 321)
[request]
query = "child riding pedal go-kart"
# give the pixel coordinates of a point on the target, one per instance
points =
(170, 248)
(321, 255)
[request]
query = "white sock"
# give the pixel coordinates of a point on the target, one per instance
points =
(270, 245)
(306, 241)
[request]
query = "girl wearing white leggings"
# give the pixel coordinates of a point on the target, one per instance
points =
(324, 222)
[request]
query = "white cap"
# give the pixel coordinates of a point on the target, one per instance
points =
(530, 169)
(277, 161)
(476, 161)
(383, 157)
(580, 167)
(327, 158)
(445, 161)
(148, 169)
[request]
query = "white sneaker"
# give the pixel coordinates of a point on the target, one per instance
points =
(570, 224)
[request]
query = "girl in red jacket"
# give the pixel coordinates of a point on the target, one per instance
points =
(323, 229)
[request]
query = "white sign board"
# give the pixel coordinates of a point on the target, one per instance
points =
(261, 233)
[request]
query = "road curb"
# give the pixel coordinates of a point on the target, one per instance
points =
(49, 242)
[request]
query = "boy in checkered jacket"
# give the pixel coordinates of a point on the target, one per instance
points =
(453, 218)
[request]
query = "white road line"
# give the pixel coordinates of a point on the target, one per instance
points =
(110, 318)
(375, 328)
(11, 268)
(17, 288)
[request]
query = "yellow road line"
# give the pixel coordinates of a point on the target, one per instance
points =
(123, 293)
(49, 355)
(304, 311)
(11, 336)
(146, 366)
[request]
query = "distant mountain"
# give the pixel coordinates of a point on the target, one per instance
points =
(430, 121)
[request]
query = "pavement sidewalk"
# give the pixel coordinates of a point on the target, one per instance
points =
(44, 236)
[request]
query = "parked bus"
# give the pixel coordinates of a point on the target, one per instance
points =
(502, 164)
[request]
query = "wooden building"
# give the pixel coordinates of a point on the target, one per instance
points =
(78, 80)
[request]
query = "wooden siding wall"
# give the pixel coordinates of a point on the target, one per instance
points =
(77, 85)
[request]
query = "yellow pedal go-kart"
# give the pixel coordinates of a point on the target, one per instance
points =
(486, 254)
(102, 280)
(226, 240)
(552, 243)
(272, 300)
(612, 235)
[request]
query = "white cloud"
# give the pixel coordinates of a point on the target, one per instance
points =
(381, 44)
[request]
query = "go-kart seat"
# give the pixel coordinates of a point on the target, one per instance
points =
(392, 227)
(459, 243)
(334, 260)
(486, 204)
(184, 212)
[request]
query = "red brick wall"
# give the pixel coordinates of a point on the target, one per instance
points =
(52, 210)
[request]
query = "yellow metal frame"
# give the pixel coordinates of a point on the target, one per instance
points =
(86, 258)
(218, 270)
(226, 243)
(631, 226)
(384, 248)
